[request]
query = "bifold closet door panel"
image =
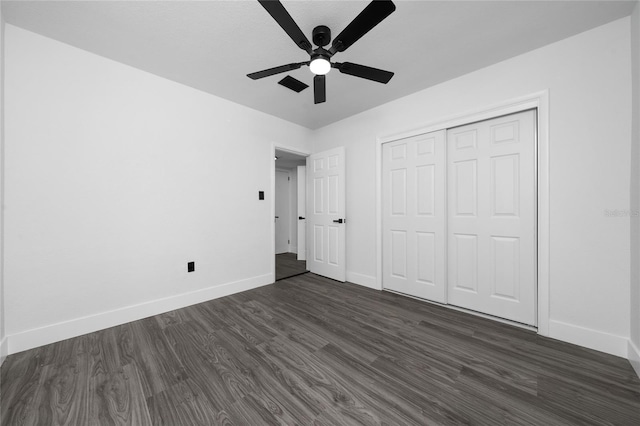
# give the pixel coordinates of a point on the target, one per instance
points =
(413, 221)
(491, 193)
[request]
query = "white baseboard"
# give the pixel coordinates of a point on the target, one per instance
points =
(363, 280)
(634, 357)
(56, 332)
(589, 338)
(4, 349)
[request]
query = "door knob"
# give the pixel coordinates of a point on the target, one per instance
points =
(300, 218)
(338, 221)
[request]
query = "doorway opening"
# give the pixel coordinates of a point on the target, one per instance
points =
(289, 217)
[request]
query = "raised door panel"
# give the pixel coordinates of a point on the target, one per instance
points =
(333, 245)
(399, 254)
(425, 190)
(398, 192)
(464, 261)
(426, 254)
(464, 188)
(318, 243)
(505, 268)
(505, 187)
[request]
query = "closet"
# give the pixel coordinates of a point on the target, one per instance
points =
(459, 216)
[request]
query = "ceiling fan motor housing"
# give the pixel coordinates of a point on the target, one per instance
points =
(321, 35)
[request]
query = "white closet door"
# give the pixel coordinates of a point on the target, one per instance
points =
(414, 233)
(492, 217)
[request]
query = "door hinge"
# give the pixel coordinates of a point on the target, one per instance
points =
(288, 177)
(288, 241)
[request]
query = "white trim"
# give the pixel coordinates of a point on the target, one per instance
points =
(379, 259)
(4, 349)
(539, 101)
(275, 146)
(633, 353)
(589, 338)
(64, 330)
(293, 211)
(361, 279)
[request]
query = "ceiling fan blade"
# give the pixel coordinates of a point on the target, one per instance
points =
(282, 17)
(319, 89)
(372, 15)
(275, 70)
(362, 71)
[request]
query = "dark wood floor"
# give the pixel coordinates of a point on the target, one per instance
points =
(308, 350)
(288, 265)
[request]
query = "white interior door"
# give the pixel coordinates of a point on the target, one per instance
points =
(492, 217)
(326, 213)
(302, 208)
(282, 209)
(413, 216)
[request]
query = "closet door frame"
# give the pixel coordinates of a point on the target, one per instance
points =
(538, 101)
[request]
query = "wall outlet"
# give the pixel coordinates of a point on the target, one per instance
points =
(191, 266)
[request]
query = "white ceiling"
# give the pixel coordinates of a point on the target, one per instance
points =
(212, 45)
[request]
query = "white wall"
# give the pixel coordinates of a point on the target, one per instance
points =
(634, 345)
(3, 341)
(589, 83)
(115, 179)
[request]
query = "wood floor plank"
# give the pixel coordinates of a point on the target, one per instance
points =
(63, 399)
(284, 327)
(515, 406)
(183, 403)
(369, 379)
(22, 377)
(157, 363)
(208, 364)
(345, 340)
(587, 403)
(329, 386)
(117, 398)
(311, 351)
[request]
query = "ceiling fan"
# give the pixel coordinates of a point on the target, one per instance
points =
(320, 58)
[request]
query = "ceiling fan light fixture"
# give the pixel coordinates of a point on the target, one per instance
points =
(320, 62)
(320, 65)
